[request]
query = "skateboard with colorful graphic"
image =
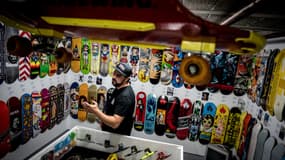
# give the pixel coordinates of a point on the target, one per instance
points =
(185, 111)
(245, 131)
(2, 51)
(177, 81)
(101, 97)
(195, 120)
(256, 68)
(53, 106)
(166, 66)
(45, 121)
(243, 74)
(140, 111)
(104, 59)
(155, 66)
(60, 103)
(124, 54)
(95, 58)
(27, 117)
(76, 52)
(150, 114)
(220, 124)
(115, 58)
(172, 116)
(74, 96)
(68, 48)
(67, 100)
(4, 129)
(233, 127)
(14, 106)
(208, 116)
(143, 72)
(37, 112)
(35, 64)
(11, 61)
(134, 59)
(92, 96)
(85, 58)
(240, 129)
(160, 120)
(24, 62)
(44, 65)
(52, 65)
(83, 95)
(247, 140)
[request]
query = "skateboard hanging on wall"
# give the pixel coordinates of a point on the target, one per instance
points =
(149, 122)
(255, 72)
(172, 116)
(115, 58)
(155, 66)
(134, 59)
(92, 96)
(53, 106)
(185, 111)
(140, 111)
(101, 97)
(85, 57)
(233, 127)
(24, 62)
(76, 52)
(245, 131)
(143, 72)
(176, 80)
(45, 121)
(95, 58)
(67, 99)
(14, 106)
(44, 65)
(160, 120)
(195, 120)
(166, 66)
(4, 129)
(27, 117)
(52, 65)
(83, 95)
(208, 116)
(104, 59)
(74, 97)
(2, 51)
(37, 112)
(35, 64)
(60, 103)
(124, 53)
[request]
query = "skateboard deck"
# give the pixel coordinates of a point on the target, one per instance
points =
(172, 116)
(269, 144)
(220, 124)
(66, 99)
(155, 66)
(27, 118)
(245, 131)
(35, 65)
(85, 58)
(140, 110)
(92, 96)
(124, 54)
(208, 116)
(149, 122)
(52, 65)
(144, 61)
(195, 120)
(261, 139)
(256, 68)
(166, 66)
(278, 152)
(95, 58)
(68, 47)
(74, 96)
(185, 111)
(104, 60)
(37, 112)
(134, 59)
(83, 95)
(101, 97)
(240, 129)
(161, 108)
(176, 80)
(253, 140)
(24, 62)
(4, 129)
(14, 106)
(53, 106)
(233, 127)
(44, 65)
(45, 121)
(114, 58)
(76, 52)
(2, 51)
(60, 103)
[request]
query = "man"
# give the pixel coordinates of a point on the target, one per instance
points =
(117, 116)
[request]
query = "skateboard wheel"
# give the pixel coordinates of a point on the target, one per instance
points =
(19, 46)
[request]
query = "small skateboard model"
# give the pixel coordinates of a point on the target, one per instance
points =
(155, 66)
(177, 81)
(53, 106)
(172, 116)
(149, 122)
(85, 58)
(208, 116)
(24, 62)
(92, 96)
(4, 129)
(37, 112)
(74, 96)
(14, 106)
(45, 121)
(67, 100)
(35, 64)
(83, 95)
(76, 52)
(60, 103)
(143, 73)
(115, 58)
(104, 60)
(124, 54)
(52, 65)
(166, 66)
(2, 51)
(95, 60)
(233, 127)
(161, 108)
(220, 124)
(44, 65)
(185, 111)
(134, 59)
(140, 111)
(27, 118)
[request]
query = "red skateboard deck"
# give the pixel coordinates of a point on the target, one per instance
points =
(172, 116)
(185, 111)
(4, 129)
(44, 123)
(140, 110)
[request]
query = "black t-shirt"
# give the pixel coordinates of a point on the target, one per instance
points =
(122, 103)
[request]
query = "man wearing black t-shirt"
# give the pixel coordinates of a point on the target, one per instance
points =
(117, 116)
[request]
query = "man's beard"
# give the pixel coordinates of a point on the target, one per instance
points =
(116, 84)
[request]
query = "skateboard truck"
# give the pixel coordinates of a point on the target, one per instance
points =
(134, 151)
(148, 153)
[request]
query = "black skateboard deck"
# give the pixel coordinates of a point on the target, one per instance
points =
(162, 105)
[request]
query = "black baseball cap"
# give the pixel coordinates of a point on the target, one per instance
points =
(124, 68)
